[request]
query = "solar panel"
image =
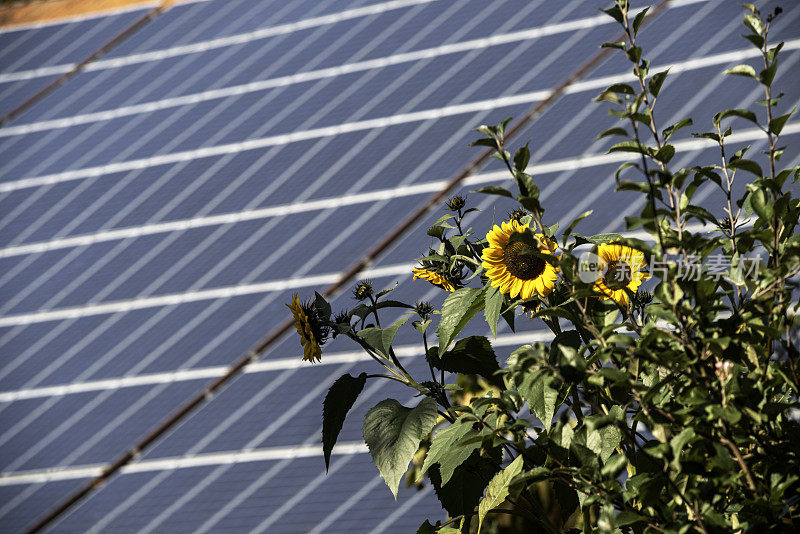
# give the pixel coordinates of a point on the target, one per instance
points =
(159, 208)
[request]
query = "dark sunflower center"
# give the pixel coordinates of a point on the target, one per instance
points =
(618, 275)
(520, 262)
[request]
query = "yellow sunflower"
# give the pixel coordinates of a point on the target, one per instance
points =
(433, 277)
(311, 349)
(621, 267)
(510, 265)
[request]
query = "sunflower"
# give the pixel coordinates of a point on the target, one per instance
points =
(312, 333)
(433, 277)
(510, 264)
(621, 267)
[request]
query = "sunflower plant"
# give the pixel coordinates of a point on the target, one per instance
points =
(666, 396)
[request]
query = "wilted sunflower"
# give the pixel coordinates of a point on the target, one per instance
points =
(433, 277)
(510, 264)
(312, 333)
(621, 267)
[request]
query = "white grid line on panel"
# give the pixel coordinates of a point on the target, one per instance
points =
(109, 85)
(299, 282)
(602, 82)
(221, 42)
(40, 476)
(196, 320)
(262, 366)
(306, 76)
(93, 404)
(114, 86)
(348, 127)
(310, 485)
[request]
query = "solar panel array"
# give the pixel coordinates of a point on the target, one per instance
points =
(159, 208)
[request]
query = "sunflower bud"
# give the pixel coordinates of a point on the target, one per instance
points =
(424, 310)
(363, 290)
(456, 203)
(342, 322)
(517, 214)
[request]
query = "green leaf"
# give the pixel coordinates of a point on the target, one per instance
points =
(619, 44)
(340, 398)
(573, 224)
(497, 491)
(458, 308)
(393, 434)
(446, 452)
(668, 131)
(599, 239)
(522, 157)
(776, 124)
(747, 165)
(742, 70)
(761, 204)
(493, 303)
(471, 356)
(631, 146)
(381, 339)
(615, 13)
(656, 81)
(621, 88)
(665, 153)
(322, 306)
(427, 528)
(526, 186)
(767, 75)
(616, 130)
(743, 113)
(494, 190)
(753, 22)
(637, 21)
(465, 488)
(542, 398)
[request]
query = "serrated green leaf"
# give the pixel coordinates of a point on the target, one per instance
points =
(340, 398)
(393, 433)
(472, 356)
(458, 308)
(542, 398)
(446, 452)
(381, 339)
(465, 488)
(497, 491)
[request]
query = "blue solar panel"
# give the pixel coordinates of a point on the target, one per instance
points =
(159, 208)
